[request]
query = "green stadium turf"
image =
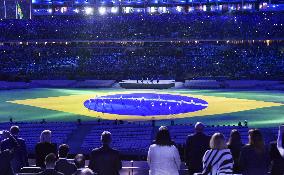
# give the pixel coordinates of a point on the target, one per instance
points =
(260, 117)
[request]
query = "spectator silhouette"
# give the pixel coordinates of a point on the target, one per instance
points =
(196, 145)
(80, 163)
(105, 160)
(254, 158)
(62, 165)
(20, 154)
(44, 147)
(6, 156)
(235, 145)
(50, 160)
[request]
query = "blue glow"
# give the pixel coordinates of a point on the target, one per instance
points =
(145, 104)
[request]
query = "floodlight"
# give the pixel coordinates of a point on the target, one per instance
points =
(102, 10)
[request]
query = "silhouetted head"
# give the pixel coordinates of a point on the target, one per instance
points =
(106, 138)
(163, 137)
(256, 140)
(63, 151)
(50, 160)
(235, 138)
(79, 161)
(199, 127)
(14, 130)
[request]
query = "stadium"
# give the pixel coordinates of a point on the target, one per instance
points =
(142, 87)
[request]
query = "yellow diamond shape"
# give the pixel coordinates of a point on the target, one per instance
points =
(75, 104)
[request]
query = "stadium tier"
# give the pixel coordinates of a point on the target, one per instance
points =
(159, 60)
(128, 138)
(141, 27)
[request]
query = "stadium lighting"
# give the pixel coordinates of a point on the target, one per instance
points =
(179, 8)
(114, 10)
(89, 11)
(76, 10)
(49, 10)
(102, 10)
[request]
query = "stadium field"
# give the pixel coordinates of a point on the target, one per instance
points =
(259, 108)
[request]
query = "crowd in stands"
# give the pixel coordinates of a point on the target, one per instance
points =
(203, 155)
(255, 25)
(162, 60)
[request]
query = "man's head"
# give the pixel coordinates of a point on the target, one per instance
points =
(50, 160)
(199, 127)
(63, 151)
(79, 161)
(14, 130)
(106, 138)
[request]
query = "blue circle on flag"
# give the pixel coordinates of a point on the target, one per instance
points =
(145, 104)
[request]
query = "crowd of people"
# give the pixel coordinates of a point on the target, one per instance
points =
(250, 25)
(203, 155)
(163, 60)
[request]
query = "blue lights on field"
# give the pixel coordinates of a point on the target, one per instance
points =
(145, 104)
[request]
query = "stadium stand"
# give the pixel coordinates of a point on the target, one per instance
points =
(195, 26)
(31, 132)
(162, 60)
(128, 138)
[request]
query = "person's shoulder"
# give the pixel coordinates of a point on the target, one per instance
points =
(227, 151)
(5, 141)
(153, 145)
(207, 152)
(189, 136)
(96, 150)
(21, 140)
(114, 150)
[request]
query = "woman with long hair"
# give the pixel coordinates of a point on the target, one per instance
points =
(235, 145)
(163, 157)
(44, 147)
(254, 158)
(218, 160)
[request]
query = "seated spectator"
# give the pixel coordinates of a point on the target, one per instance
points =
(50, 160)
(105, 160)
(20, 155)
(235, 144)
(218, 160)
(79, 161)
(6, 157)
(254, 158)
(163, 157)
(196, 145)
(44, 148)
(62, 165)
